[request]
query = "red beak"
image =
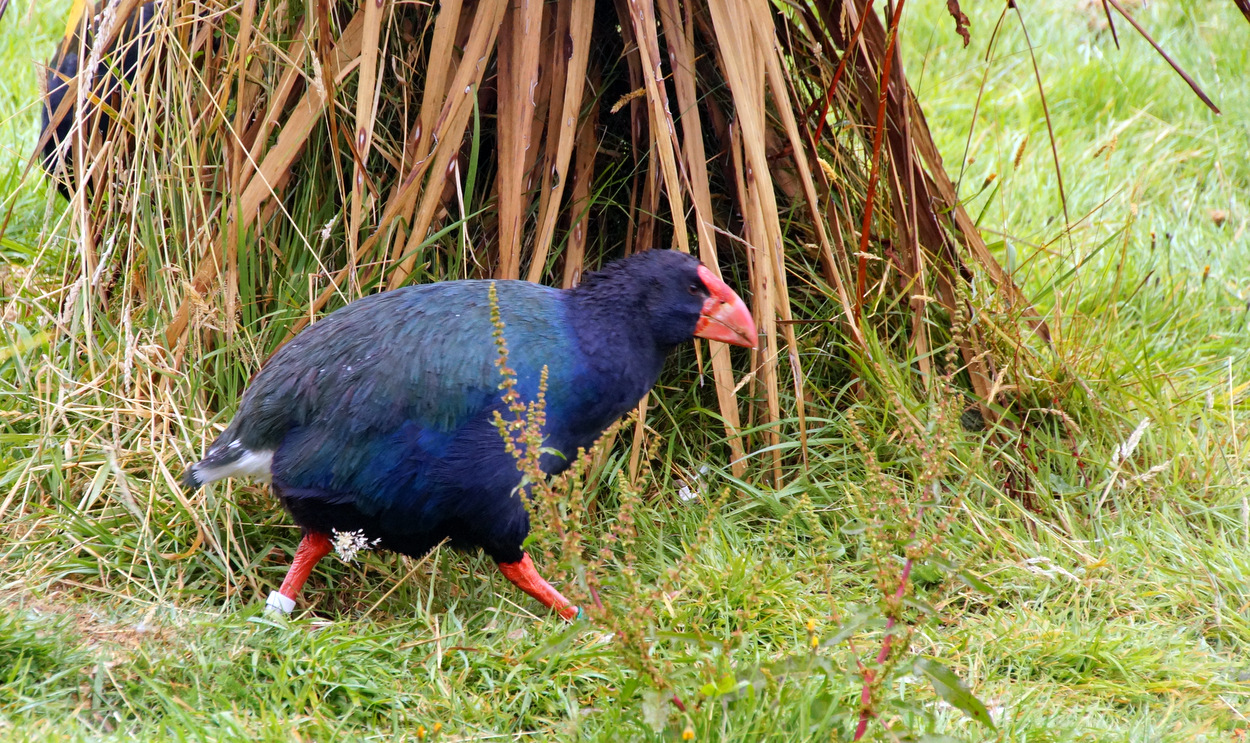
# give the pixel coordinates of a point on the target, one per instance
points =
(725, 317)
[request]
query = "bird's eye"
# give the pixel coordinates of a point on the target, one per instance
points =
(695, 288)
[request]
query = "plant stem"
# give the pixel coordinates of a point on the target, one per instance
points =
(865, 697)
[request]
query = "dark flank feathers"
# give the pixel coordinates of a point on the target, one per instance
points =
(379, 417)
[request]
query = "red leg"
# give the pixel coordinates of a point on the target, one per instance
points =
(311, 549)
(526, 578)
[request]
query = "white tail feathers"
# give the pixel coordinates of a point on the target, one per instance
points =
(244, 463)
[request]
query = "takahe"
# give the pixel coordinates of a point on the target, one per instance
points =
(377, 421)
(116, 71)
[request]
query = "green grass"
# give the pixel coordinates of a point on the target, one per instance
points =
(1120, 593)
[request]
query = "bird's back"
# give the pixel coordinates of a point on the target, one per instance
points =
(423, 354)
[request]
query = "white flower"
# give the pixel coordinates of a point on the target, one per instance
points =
(327, 230)
(693, 490)
(348, 543)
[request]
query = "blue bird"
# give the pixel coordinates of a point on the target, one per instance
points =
(378, 419)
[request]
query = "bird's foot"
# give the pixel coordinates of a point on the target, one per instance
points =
(311, 549)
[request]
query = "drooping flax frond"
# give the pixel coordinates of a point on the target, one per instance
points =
(275, 159)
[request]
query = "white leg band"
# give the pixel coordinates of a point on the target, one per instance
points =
(280, 603)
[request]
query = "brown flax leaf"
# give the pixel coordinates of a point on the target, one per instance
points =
(961, 21)
(579, 199)
(362, 133)
(763, 284)
(638, 228)
(543, 97)
(663, 136)
(553, 78)
(449, 129)
(1193, 85)
(247, 92)
(518, 75)
(680, 38)
(947, 201)
(278, 100)
(1106, 11)
(799, 149)
(417, 147)
(576, 48)
(746, 46)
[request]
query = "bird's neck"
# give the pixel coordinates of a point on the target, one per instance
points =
(614, 333)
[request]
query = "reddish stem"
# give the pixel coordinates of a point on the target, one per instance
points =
(865, 696)
(875, 174)
(847, 52)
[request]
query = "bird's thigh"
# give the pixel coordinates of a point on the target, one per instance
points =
(498, 527)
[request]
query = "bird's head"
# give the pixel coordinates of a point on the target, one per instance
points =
(678, 297)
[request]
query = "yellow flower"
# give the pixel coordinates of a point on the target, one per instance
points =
(420, 732)
(687, 734)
